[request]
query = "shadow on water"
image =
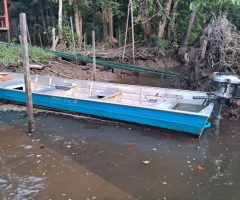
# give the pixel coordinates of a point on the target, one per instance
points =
(89, 158)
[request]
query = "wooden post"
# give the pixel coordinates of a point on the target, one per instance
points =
(8, 33)
(53, 37)
(124, 48)
(20, 39)
(204, 48)
(27, 78)
(75, 52)
(40, 39)
(132, 33)
(94, 55)
(85, 53)
(29, 39)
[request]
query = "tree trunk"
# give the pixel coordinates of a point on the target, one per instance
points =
(145, 23)
(172, 23)
(163, 19)
(107, 19)
(110, 24)
(60, 20)
(184, 43)
(78, 23)
(51, 13)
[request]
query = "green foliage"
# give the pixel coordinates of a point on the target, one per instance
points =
(158, 42)
(213, 3)
(203, 16)
(36, 54)
(43, 15)
(66, 29)
(9, 55)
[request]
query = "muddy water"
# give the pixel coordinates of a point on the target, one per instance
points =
(86, 158)
(147, 80)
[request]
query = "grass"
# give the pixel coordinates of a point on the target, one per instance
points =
(12, 54)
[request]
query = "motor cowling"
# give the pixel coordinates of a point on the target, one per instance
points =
(225, 85)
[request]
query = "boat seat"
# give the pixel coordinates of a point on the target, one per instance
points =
(108, 93)
(167, 103)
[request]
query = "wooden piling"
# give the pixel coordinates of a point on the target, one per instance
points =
(27, 79)
(133, 53)
(40, 39)
(75, 52)
(28, 35)
(125, 41)
(54, 39)
(8, 33)
(94, 55)
(85, 39)
(20, 39)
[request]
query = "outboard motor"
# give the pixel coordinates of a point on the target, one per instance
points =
(223, 86)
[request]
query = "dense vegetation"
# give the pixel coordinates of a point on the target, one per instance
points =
(9, 55)
(156, 22)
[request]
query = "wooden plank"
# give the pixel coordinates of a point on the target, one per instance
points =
(27, 79)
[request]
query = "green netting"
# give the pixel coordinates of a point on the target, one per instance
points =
(108, 63)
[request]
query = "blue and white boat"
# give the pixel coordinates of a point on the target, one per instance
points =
(161, 107)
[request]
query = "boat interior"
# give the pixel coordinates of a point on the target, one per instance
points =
(151, 97)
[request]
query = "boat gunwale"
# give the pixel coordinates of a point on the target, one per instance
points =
(117, 103)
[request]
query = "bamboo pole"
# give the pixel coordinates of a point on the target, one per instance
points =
(94, 55)
(75, 52)
(124, 48)
(132, 34)
(27, 79)
(85, 53)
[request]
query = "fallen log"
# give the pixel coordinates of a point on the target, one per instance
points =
(35, 66)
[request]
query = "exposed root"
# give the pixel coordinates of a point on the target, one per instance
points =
(221, 53)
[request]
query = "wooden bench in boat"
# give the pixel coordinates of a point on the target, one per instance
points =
(167, 103)
(110, 92)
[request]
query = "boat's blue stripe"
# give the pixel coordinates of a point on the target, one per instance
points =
(177, 121)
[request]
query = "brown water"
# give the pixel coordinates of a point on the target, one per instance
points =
(147, 80)
(87, 158)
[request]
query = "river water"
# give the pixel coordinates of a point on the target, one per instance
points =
(87, 158)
